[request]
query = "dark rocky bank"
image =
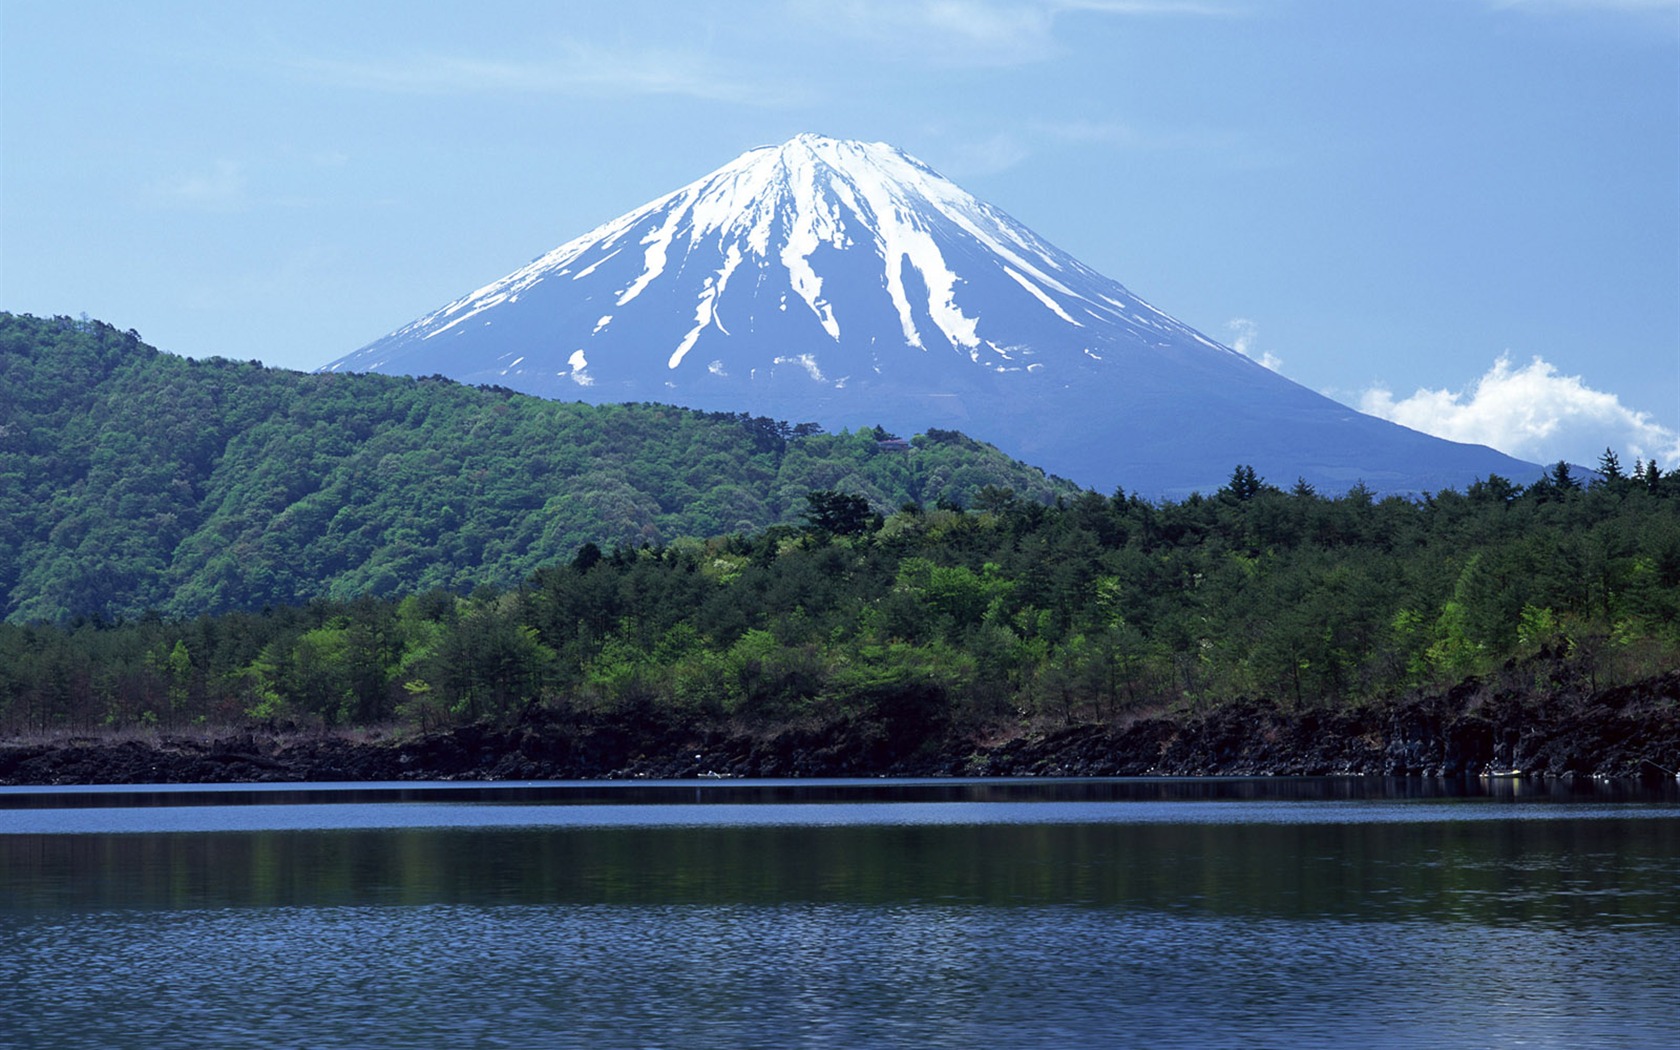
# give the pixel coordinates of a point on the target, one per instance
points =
(1563, 729)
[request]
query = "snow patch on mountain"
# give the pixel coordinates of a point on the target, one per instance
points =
(579, 364)
(705, 313)
(1038, 293)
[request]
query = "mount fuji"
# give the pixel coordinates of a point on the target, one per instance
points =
(849, 284)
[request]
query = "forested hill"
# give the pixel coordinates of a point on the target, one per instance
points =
(134, 480)
(1463, 632)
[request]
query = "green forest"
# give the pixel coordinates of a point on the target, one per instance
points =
(134, 481)
(1007, 611)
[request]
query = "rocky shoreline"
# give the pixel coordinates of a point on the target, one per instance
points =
(1474, 729)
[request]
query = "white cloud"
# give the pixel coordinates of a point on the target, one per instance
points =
(574, 68)
(970, 156)
(978, 32)
(1533, 413)
(1226, 146)
(1244, 334)
(1136, 138)
(950, 32)
(809, 363)
(967, 154)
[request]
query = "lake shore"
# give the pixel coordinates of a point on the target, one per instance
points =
(1477, 728)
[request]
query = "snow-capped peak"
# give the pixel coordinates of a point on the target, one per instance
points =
(779, 208)
(850, 283)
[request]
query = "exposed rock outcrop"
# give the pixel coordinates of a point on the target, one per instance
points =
(1563, 729)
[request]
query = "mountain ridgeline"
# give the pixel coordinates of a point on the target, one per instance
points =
(851, 284)
(134, 480)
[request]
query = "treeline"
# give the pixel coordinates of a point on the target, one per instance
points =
(133, 480)
(1005, 611)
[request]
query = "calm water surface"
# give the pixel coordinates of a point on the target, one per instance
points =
(843, 914)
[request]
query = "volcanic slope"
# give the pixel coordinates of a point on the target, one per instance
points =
(849, 284)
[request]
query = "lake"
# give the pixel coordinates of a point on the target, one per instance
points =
(1146, 913)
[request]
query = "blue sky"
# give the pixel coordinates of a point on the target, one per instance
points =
(1463, 214)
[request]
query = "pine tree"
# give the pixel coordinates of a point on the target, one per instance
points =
(1610, 467)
